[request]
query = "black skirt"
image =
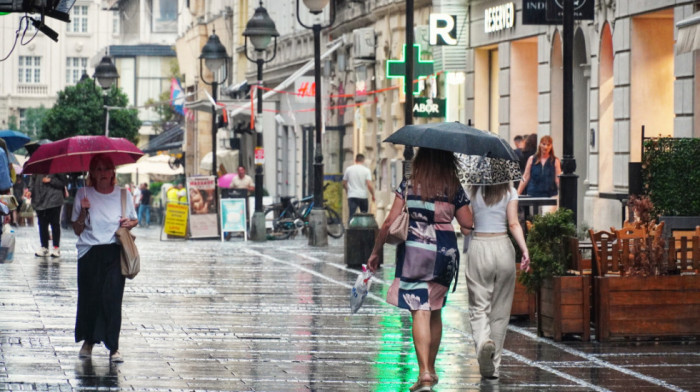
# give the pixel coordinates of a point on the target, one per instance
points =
(100, 292)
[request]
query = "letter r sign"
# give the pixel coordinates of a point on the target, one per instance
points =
(443, 29)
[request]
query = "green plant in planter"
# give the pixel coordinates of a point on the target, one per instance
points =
(547, 243)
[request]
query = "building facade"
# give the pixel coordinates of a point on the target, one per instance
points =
(35, 68)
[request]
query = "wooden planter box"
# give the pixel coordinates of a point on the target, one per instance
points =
(564, 307)
(523, 302)
(647, 306)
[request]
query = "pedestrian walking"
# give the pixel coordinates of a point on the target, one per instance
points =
(145, 206)
(97, 214)
(357, 181)
(541, 175)
(47, 194)
(490, 270)
(428, 260)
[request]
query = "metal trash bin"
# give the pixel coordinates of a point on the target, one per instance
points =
(359, 240)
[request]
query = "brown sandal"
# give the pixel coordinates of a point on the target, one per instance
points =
(424, 384)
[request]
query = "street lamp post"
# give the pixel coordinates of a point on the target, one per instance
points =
(317, 218)
(106, 74)
(214, 57)
(260, 29)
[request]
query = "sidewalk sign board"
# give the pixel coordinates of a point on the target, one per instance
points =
(202, 205)
(175, 223)
(233, 217)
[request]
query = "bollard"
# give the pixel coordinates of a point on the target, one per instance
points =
(359, 240)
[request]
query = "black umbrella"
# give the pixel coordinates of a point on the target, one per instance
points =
(32, 146)
(454, 137)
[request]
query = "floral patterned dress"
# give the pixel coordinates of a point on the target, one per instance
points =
(429, 259)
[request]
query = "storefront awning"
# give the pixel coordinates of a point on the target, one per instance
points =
(688, 34)
(228, 158)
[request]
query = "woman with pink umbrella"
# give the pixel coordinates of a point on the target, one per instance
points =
(97, 214)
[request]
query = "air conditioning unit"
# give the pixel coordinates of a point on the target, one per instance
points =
(364, 43)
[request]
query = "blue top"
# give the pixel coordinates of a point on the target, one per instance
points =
(542, 179)
(5, 181)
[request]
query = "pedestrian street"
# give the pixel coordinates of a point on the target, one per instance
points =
(274, 316)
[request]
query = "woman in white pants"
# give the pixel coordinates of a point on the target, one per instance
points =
(491, 270)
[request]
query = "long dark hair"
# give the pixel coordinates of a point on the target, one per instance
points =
(434, 174)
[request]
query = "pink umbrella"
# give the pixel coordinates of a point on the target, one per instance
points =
(225, 180)
(73, 154)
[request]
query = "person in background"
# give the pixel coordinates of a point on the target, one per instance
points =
(243, 181)
(357, 181)
(172, 193)
(136, 191)
(519, 142)
(428, 261)
(47, 193)
(541, 175)
(145, 206)
(18, 191)
(5, 179)
(529, 148)
(491, 271)
(97, 214)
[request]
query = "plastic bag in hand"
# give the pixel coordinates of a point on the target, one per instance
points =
(360, 289)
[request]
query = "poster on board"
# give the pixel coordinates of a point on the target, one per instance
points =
(233, 217)
(202, 204)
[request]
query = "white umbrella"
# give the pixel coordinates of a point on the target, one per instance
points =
(146, 167)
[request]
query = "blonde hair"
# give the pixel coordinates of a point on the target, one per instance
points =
(492, 194)
(96, 160)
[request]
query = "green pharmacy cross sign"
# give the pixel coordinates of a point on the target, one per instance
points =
(397, 68)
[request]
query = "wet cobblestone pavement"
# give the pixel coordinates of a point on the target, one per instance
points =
(234, 316)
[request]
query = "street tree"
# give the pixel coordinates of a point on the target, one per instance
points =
(79, 110)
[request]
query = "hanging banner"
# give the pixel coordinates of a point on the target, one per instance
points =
(202, 206)
(551, 12)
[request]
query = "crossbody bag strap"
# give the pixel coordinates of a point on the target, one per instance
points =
(123, 202)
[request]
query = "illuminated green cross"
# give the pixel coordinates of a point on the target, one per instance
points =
(397, 68)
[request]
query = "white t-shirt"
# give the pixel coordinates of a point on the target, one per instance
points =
(242, 183)
(493, 218)
(104, 214)
(357, 176)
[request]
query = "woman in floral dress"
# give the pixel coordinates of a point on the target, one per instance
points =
(429, 259)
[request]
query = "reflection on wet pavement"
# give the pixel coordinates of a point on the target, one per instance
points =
(274, 316)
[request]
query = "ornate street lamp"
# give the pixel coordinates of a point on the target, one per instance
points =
(317, 219)
(106, 75)
(260, 30)
(214, 57)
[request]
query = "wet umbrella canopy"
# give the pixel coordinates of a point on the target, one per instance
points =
(14, 140)
(32, 146)
(73, 154)
(454, 137)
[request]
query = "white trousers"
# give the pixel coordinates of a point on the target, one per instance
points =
(490, 270)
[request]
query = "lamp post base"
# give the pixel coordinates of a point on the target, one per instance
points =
(318, 234)
(257, 227)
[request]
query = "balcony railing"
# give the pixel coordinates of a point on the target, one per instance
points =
(32, 89)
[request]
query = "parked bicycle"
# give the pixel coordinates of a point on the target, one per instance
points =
(292, 216)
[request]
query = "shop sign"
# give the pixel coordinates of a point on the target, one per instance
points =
(499, 18)
(442, 29)
(583, 10)
(428, 107)
(202, 206)
(535, 12)
(397, 68)
(305, 88)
